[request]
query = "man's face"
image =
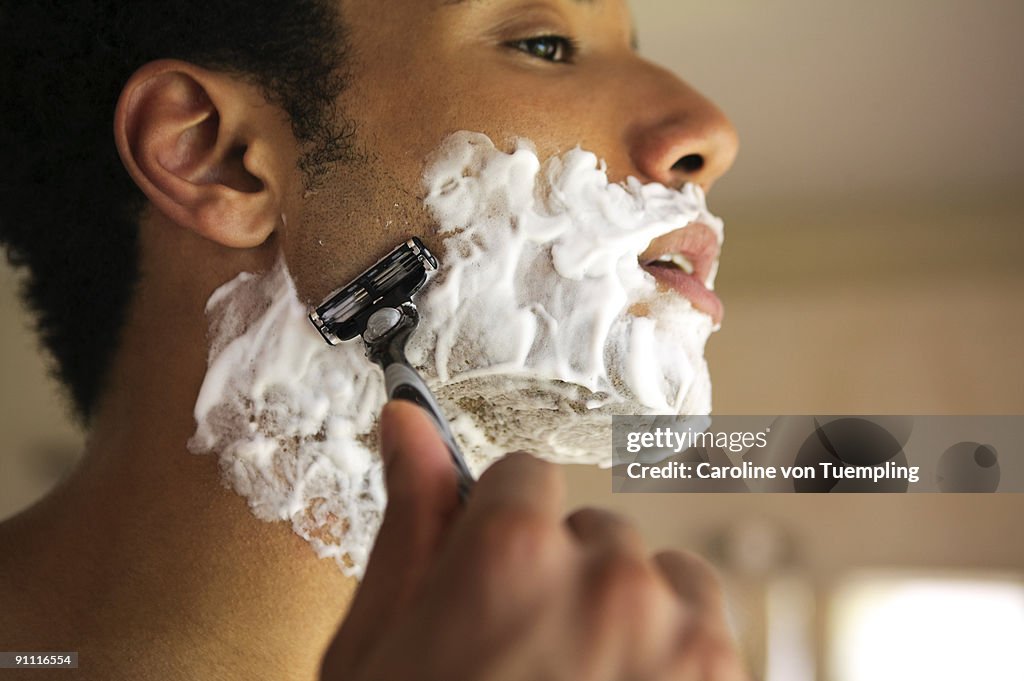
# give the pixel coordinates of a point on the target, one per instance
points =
(560, 73)
(577, 330)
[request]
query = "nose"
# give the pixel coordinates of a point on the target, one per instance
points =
(680, 136)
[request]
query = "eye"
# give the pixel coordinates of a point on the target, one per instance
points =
(553, 48)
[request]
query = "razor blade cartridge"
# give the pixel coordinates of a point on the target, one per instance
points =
(389, 283)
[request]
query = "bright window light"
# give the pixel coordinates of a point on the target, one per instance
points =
(897, 628)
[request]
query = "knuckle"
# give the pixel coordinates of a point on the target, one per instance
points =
(590, 516)
(511, 461)
(523, 465)
(511, 536)
(693, 574)
(627, 585)
(598, 527)
(723, 661)
(547, 472)
(692, 563)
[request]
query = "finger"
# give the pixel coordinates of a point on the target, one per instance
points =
(707, 651)
(422, 502)
(606, 531)
(706, 659)
(696, 584)
(632, 611)
(512, 522)
(519, 482)
(422, 492)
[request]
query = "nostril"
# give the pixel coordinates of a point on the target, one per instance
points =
(690, 163)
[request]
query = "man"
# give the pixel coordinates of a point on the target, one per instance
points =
(228, 116)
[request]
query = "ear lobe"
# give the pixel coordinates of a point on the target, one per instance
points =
(190, 140)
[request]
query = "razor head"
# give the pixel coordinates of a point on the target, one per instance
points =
(389, 283)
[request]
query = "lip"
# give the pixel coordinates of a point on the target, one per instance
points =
(698, 244)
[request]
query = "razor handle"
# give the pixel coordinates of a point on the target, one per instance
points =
(385, 338)
(404, 383)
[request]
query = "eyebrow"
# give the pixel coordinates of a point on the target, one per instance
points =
(633, 40)
(462, 2)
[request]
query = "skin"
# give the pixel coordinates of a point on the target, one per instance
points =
(147, 566)
(524, 592)
(458, 73)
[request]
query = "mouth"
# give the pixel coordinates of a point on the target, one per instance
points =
(682, 262)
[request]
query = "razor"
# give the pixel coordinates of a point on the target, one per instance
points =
(378, 306)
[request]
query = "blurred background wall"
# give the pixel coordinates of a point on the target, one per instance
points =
(875, 234)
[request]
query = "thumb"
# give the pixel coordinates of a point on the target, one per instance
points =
(422, 502)
(421, 483)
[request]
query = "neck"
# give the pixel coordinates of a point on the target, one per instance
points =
(151, 562)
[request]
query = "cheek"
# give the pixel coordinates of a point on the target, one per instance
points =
(555, 116)
(356, 217)
(364, 209)
(554, 113)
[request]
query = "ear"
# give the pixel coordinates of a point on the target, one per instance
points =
(207, 150)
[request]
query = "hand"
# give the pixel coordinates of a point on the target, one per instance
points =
(506, 589)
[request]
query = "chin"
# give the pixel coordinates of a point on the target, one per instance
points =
(558, 421)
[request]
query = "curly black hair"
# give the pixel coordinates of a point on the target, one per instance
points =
(68, 210)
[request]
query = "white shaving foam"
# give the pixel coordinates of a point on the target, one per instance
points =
(526, 336)
(527, 328)
(291, 418)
